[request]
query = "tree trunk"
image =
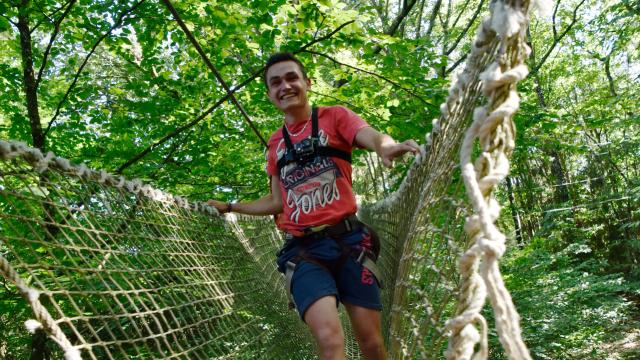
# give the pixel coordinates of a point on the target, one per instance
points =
(514, 213)
(607, 71)
(562, 191)
(30, 86)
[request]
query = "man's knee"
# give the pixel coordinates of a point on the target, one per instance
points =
(372, 344)
(322, 318)
(330, 338)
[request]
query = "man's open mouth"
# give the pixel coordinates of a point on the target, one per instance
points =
(288, 96)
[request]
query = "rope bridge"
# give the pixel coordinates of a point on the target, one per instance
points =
(115, 269)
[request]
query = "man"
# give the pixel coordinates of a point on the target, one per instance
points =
(311, 189)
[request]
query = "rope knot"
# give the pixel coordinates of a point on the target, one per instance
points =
(492, 247)
(134, 186)
(103, 177)
(506, 20)
(33, 295)
(5, 150)
(41, 162)
(32, 326)
(72, 353)
(63, 163)
(82, 171)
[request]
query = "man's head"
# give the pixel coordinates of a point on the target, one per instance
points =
(280, 57)
(287, 82)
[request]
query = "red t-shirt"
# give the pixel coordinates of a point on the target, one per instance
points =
(320, 191)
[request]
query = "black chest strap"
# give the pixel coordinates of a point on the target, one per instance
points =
(318, 150)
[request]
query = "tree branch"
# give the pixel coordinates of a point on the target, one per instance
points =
(419, 20)
(9, 20)
(406, 9)
(56, 30)
(350, 104)
(456, 64)
(557, 38)
(462, 11)
(606, 61)
(315, 35)
(159, 81)
(432, 19)
(631, 9)
(215, 72)
(329, 35)
(466, 28)
(116, 24)
(174, 133)
(553, 20)
(48, 17)
(410, 92)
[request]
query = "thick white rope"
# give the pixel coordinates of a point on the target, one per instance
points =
(13, 149)
(44, 320)
(495, 132)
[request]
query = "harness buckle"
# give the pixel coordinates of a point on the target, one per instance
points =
(314, 229)
(348, 225)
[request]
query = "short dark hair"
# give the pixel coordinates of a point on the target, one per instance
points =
(280, 57)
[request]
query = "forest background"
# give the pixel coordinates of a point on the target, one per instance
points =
(117, 85)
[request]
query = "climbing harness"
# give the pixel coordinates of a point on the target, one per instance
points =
(303, 152)
(363, 255)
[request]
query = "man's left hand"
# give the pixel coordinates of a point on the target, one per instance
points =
(390, 151)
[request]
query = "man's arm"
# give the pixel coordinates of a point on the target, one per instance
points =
(267, 205)
(384, 145)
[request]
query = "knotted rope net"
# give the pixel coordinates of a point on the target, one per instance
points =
(115, 269)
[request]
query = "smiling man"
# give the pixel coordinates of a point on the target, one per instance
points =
(329, 255)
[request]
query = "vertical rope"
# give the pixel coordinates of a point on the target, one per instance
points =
(493, 127)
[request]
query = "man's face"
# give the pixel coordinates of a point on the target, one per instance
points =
(287, 87)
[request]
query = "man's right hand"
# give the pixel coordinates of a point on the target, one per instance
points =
(222, 207)
(270, 204)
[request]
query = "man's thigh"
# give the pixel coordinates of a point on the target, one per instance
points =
(357, 286)
(311, 282)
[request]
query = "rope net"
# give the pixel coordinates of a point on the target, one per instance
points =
(114, 269)
(144, 275)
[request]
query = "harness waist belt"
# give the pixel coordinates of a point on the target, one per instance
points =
(344, 226)
(365, 257)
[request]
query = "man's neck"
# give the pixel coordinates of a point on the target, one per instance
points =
(300, 114)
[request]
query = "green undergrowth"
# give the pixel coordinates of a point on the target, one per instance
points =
(571, 305)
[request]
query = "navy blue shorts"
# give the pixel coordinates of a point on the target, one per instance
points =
(354, 284)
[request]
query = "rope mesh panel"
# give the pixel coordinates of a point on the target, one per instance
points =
(126, 276)
(127, 271)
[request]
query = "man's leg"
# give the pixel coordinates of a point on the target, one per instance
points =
(322, 318)
(367, 328)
